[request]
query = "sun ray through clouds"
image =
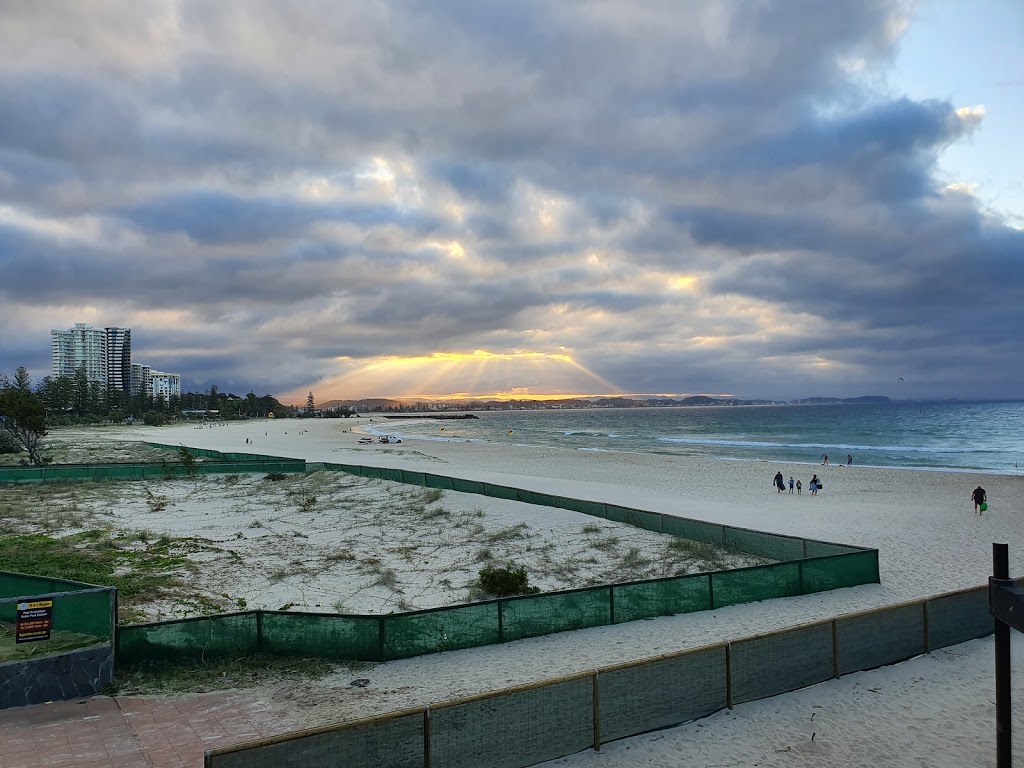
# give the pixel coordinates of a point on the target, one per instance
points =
(455, 375)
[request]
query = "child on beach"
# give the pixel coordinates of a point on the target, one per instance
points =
(799, 486)
(790, 483)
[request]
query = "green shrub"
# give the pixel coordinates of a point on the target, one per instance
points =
(8, 444)
(505, 581)
(188, 460)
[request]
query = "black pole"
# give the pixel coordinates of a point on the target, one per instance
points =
(1004, 759)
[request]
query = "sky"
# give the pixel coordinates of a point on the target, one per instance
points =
(436, 198)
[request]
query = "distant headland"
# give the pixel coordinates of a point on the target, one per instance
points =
(442, 409)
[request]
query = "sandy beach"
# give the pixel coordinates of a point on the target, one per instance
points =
(935, 710)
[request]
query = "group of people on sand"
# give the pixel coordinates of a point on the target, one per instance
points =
(780, 484)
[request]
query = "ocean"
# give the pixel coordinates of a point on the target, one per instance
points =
(952, 437)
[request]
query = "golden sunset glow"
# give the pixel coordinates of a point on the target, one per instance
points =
(479, 374)
(683, 282)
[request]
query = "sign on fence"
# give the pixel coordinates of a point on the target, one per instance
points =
(34, 622)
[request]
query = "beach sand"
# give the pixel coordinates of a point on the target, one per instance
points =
(935, 710)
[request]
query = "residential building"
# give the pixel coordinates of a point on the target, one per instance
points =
(164, 386)
(140, 380)
(81, 347)
(119, 359)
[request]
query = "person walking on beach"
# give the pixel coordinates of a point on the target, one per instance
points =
(780, 483)
(824, 459)
(814, 485)
(978, 494)
(790, 483)
(849, 459)
(799, 487)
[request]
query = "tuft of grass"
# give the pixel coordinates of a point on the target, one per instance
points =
(518, 531)
(590, 528)
(156, 503)
(605, 544)
(431, 495)
(387, 577)
(633, 560)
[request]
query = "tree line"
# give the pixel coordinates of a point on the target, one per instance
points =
(27, 411)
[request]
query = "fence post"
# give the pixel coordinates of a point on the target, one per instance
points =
(597, 711)
(835, 649)
(426, 737)
(728, 675)
(927, 641)
(1004, 739)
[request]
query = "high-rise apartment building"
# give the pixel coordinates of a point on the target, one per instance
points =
(81, 347)
(165, 385)
(119, 359)
(140, 380)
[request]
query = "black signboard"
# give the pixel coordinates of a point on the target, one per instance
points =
(35, 620)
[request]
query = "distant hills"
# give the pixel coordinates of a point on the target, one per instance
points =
(376, 405)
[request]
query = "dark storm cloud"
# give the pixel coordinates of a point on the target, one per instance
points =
(698, 198)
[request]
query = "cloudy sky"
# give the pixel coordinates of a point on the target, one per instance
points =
(430, 197)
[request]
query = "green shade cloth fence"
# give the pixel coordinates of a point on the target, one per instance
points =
(403, 635)
(522, 726)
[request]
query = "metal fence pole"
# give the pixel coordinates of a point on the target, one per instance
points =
(1004, 758)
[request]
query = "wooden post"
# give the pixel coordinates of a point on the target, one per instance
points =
(426, 737)
(1004, 757)
(835, 649)
(728, 675)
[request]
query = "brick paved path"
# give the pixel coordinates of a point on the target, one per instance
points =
(134, 732)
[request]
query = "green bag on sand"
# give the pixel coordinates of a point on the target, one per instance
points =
(983, 506)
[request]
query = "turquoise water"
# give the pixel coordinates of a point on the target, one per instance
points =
(975, 437)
